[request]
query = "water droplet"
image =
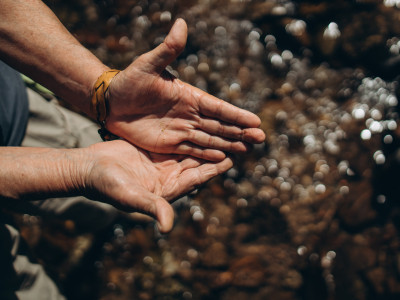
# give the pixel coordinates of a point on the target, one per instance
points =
(185, 264)
(392, 125)
(394, 49)
(320, 188)
(148, 260)
(285, 187)
(287, 55)
(194, 208)
(241, 202)
(254, 35)
(296, 27)
(165, 16)
(379, 157)
(198, 216)
(235, 87)
(376, 114)
(381, 199)
(270, 39)
(344, 190)
(366, 134)
(332, 31)
(392, 3)
(391, 100)
(278, 11)
(276, 60)
(388, 139)
(314, 257)
(375, 127)
(331, 254)
(203, 67)
(301, 250)
(220, 31)
(192, 253)
(358, 113)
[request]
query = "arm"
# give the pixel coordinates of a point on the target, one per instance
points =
(39, 173)
(114, 172)
(33, 41)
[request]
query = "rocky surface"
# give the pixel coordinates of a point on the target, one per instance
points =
(313, 213)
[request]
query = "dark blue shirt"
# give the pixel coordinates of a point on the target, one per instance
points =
(14, 109)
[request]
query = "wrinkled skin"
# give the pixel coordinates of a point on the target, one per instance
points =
(137, 180)
(160, 113)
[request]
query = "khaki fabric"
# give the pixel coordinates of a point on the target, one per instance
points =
(20, 277)
(49, 125)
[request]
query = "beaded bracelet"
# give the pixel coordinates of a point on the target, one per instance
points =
(99, 103)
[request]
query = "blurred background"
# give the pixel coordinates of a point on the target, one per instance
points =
(313, 213)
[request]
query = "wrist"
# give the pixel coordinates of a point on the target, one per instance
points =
(100, 106)
(40, 173)
(95, 74)
(74, 165)
(59, 173)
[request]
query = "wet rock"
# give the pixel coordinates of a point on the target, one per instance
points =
(376, 278)
(243, 233)
(362, 257)
(247, 272)
(265, 229)
(393, 285)
(356, 209)
(293, 280)
(215, 256)
(169, 287)
(218, 280)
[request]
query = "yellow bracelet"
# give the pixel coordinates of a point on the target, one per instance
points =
(99, 103)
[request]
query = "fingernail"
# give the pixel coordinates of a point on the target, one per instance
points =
(177, 21)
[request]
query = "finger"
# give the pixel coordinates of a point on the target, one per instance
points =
(159, 58)
(213, 107)
(192, 178)
(219, 128)
(215, 127)
(199, 152)
(159, 157)
(143, 201)
(206, 140)
(253, 135)
(189, 163)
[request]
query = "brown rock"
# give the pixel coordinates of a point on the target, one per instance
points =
(293, 280)
(215, 256)
(356, 209)
(377, 279)
(247, 272)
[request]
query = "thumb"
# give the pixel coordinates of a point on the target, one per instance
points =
(159, 58)
(165, 216)
(150, 204)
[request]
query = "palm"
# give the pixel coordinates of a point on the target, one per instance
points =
(160, 113)
(135, 179)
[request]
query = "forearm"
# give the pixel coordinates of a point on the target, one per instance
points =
(39, 173)
(33, 41)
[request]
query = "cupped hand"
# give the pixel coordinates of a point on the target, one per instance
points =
(136, 180)
(160, 113)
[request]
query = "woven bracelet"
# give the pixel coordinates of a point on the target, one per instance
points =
(99, 104)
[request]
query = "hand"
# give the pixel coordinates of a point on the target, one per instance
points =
(159, 113)
(136, 180)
